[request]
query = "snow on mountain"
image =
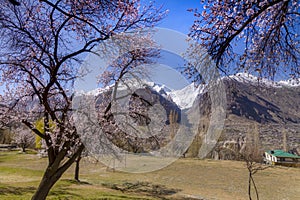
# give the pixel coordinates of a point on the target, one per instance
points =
(94, 92)
(185, 97)
(244, 77)
(290, 82)
(160, 88)
(249, 78)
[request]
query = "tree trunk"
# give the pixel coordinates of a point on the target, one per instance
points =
(53, 173)
(255, 188)
(76, 176)
(49, 179)
(23, 148)
(249, 186)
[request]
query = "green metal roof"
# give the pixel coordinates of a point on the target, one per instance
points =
(281, 153)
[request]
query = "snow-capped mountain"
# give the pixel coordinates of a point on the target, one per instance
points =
(185, 97)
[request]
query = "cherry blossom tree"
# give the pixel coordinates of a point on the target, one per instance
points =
(23, 137)
(251, 36)
(42, 46)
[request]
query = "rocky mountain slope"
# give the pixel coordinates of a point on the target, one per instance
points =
(263, 114)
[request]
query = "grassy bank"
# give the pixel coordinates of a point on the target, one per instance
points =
(184, 179)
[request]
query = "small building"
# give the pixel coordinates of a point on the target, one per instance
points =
(280, 157)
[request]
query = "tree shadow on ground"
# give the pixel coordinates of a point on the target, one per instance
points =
(60, 190)
(72, 181)
(145, 188)
(10, 190)
(63, 193)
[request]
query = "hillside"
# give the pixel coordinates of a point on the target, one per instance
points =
(268, 109)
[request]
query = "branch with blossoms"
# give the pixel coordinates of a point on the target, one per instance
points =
(254, 36)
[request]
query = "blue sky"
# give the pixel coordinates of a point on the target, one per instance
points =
(178, 18)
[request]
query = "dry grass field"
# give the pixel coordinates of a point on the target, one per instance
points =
(184, 179)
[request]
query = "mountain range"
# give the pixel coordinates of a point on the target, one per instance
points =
(257, 110)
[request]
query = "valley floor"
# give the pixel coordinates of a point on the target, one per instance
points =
(184, 179)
